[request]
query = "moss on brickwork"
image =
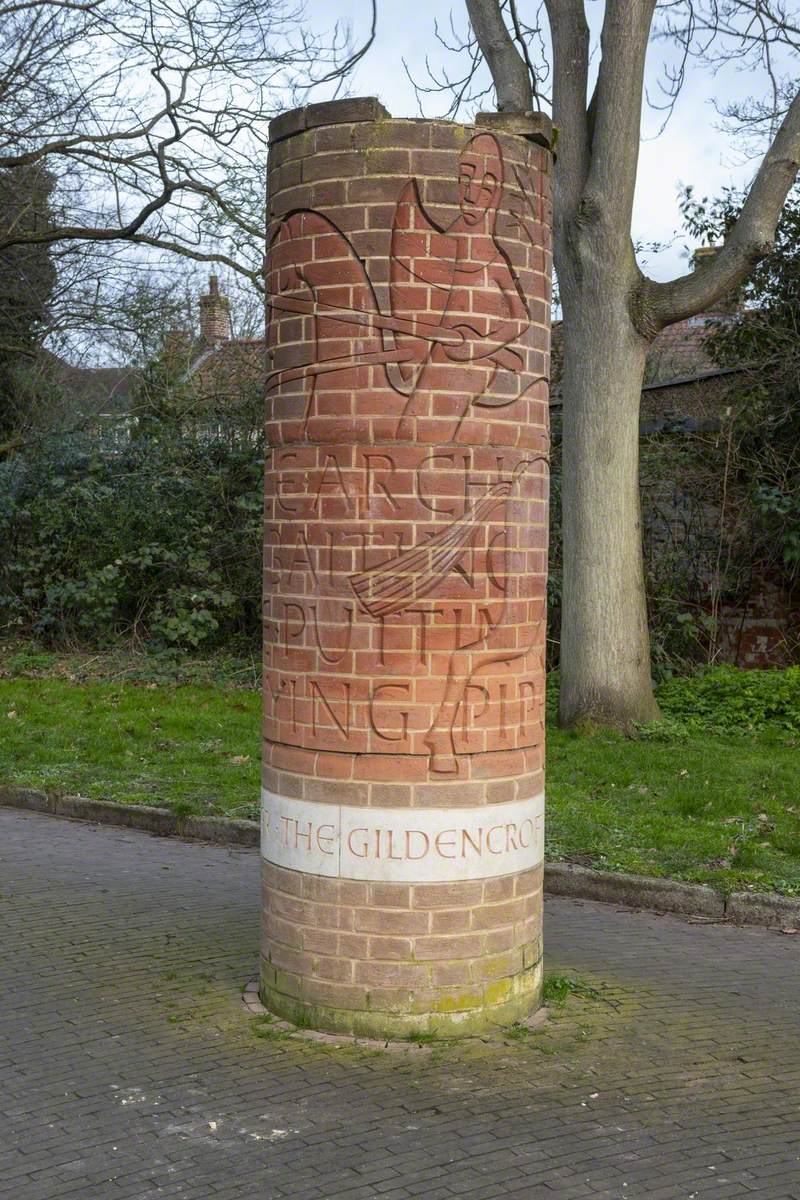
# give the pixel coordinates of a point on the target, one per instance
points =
(458, 1014)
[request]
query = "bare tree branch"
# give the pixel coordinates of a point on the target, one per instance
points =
(618, 109)
(152, 115)
(748, 241)
(570, 36)
(506, 63)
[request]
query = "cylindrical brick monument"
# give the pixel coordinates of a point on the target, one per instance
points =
(408, 284)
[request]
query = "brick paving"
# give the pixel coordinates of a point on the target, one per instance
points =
(130, 1069)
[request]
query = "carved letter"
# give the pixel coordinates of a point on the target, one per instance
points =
(525, 711)
(361, 852)
(329, 838)
(466, 705)
(319, 697)
(333, 658)
(300, 557)
(380, 484)
(498, 580)
(337, 482)
(301, 623)
(272, 576)
(430, 502)
(284, 486)
(386, 735)
(442, 845)
(425, 843)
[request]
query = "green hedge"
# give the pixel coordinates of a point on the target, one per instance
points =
(160, 543)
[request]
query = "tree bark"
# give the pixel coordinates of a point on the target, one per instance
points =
(509, 71)
(605, 648)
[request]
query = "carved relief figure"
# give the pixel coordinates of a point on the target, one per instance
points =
(454, 298)
(470, 286)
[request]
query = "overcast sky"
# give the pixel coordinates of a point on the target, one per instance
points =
(692, 150)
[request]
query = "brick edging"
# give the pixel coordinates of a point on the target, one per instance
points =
(561, 879)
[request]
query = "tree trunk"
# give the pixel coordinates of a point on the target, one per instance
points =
(611, 312)
(605, 647)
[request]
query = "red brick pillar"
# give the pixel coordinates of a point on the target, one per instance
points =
(405, 569)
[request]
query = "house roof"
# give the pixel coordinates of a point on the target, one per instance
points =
(676, 357)
(678, 353)
(96, 391)
(231, 366)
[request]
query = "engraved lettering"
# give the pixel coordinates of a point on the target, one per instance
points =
(381, 485)
(326, 840)
(333, 658)
(425, 615)
(388, 735)
(358, 843)
(429, 502)
(445, 843)
(289, 485)
(497, 576)
(320, 699)
(494, 849)
(475, 843)
(526, 689)
(293, 626)
(301, 835)
(503, 728)
(483, 693)
(363, 843)
(423, 842)
(336, 481)
(300, 557)
(272, 577)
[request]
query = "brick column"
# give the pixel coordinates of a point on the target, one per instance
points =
(405, 569)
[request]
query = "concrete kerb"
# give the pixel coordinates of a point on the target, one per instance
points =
(641, 891)
(221, 830)
(560, 879)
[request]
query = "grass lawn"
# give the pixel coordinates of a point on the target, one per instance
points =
(691, 799)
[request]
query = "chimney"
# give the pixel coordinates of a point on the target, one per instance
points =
(727, 305)
(215, 315)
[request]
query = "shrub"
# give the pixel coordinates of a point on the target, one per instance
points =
(728, 700)
(161, 542)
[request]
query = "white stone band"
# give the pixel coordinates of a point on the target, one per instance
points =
(402, 845)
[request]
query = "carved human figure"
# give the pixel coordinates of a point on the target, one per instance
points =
(470, 289)
(456, 306)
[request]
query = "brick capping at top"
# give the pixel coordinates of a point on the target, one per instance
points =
(331, 112)
(560, 879)
(535, 126)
